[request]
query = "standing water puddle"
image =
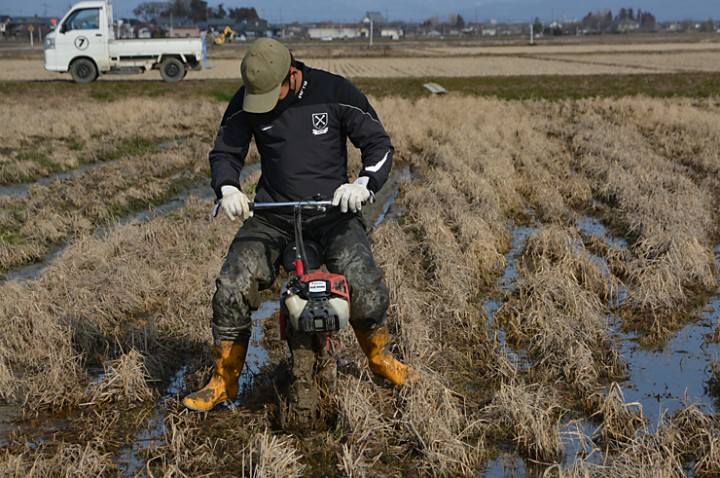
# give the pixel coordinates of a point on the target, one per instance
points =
(130, 459)
(520, 234)
(662, 381)
(505, 283)
(23, 189)
(665, 380)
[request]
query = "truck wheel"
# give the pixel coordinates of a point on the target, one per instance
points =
(83, 71)
(172, 70)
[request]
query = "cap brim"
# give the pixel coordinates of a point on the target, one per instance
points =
(261, 103)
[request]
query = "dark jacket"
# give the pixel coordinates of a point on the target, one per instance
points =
(303, 146)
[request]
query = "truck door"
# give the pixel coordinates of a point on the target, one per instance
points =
(83, 34)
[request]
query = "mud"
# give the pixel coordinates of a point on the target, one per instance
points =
(8, 414)
(660, 380)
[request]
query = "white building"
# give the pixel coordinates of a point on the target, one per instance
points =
(340, 32)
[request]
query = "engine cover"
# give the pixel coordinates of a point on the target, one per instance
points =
(316, 302)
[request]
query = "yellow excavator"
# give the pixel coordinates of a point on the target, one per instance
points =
(228, 35)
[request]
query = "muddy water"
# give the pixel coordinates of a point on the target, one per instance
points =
(22, 189)
(519, 235)
(33, 271)
(664, 380)
(661, 381)
(257, 355)
(130, 460)
(8, 414)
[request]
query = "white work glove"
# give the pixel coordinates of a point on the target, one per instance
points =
(352, 196)
(235, 203)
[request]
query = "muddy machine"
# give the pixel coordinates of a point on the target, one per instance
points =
(314, 304)
(312, 301)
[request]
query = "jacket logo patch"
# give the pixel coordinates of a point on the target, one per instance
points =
(320, 123)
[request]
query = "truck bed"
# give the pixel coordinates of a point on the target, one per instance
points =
(155, 47)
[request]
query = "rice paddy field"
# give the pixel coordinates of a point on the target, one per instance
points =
(550, 237)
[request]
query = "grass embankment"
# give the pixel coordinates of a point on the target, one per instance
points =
(549, 87)
(137, 298)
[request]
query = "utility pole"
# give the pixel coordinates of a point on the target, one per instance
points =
(371, 31)
(282, 24)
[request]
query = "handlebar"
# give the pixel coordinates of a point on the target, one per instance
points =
(319, 205)
(311, 204)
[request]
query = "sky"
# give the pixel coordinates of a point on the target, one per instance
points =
(350, 11)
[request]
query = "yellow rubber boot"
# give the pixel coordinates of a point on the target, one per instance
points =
(375, 343)
(223, 385)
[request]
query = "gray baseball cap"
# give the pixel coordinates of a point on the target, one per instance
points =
(265, 66)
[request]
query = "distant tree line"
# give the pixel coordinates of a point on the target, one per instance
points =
(455, 20)
(603, 21)
(196, 10)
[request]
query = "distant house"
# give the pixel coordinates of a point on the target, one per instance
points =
(380, 27)
(372, 24)
(256, 28)
(626, 25)
(332, 31)
(294, 30)
(149, 30)
(393, 31)
(215, 24)
(144, 32)
(4, 22)
(514, 29)
(489, 31)
(178, 27)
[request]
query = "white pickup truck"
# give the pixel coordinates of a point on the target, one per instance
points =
(84, 44)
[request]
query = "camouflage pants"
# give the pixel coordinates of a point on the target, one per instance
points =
(255, 256)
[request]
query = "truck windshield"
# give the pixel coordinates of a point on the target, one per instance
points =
(87, 19)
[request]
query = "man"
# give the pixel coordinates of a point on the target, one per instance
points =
(300, 118)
